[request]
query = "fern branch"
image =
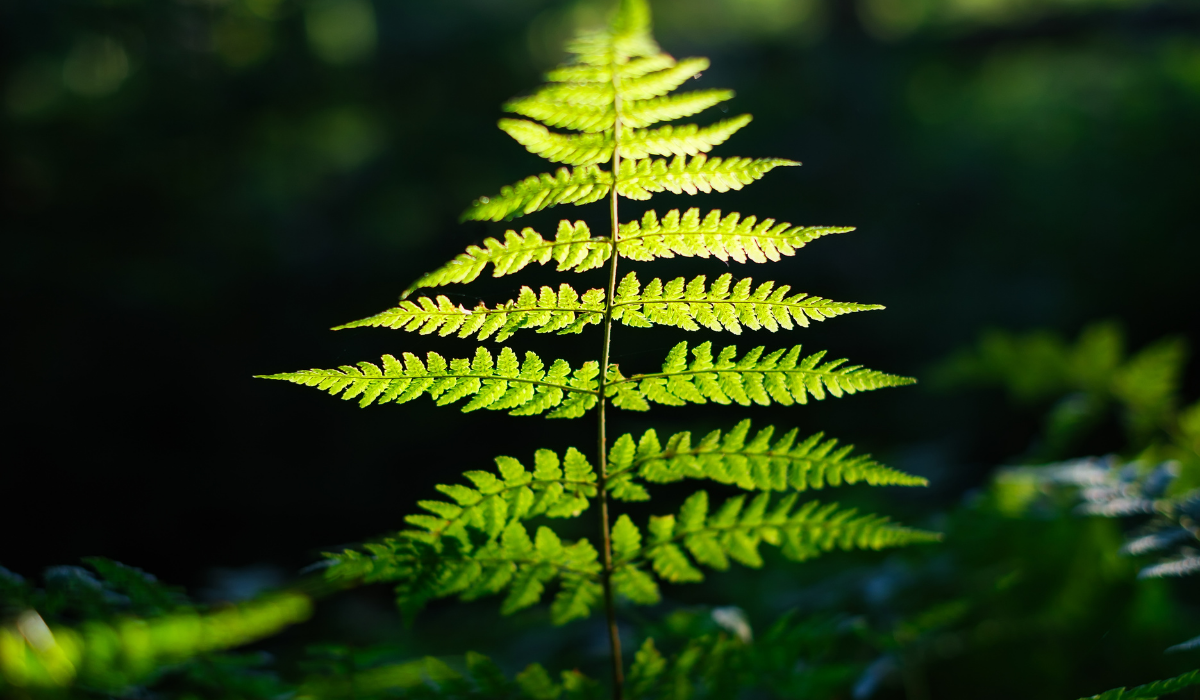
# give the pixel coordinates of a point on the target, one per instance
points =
(643, 113)
(563, 115)
(564, 311)
(504, 383)
(587, 107)
(718, 307)
(659, 83)
(573, 149)
(597, 93)
(573, 248)
(756, 463)
(581, 149)
(537, 192)
(554, 489)
(687, 139)
(514, 562)
(602, 73)
(639, 179)
(736, 531)
(595, 148)
(781, 376)
(731, 237)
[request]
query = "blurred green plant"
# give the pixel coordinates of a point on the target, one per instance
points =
(1155, 478)
(114, 629)
(1083, 382)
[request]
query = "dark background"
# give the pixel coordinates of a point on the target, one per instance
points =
(194, 191)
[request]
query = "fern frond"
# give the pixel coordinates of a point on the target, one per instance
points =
(731, 237)
(563, 115)
(752, 463)
(687, 306)
(512, 562)
(438, 556)
(537, 192)
(553, 489)
(594, 93)
(501, 383)
(690, 306)
(736, 530)
(573, 149)
(640, 179)
(628, 36)
(643, 113)
(564, 311)
(596, 148)
(637, 180)
(573, 248)
(585, 73)
(781, 376)
(687, 139)
(661, 82)
(1150, 691)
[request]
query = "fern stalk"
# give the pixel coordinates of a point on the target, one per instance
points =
(614, 637)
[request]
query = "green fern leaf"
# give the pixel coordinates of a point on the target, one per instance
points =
(595, 148)
(687, 139)
(500, 383)
(690, 306)
(661, 82)
(1150, 691)
(512, 494)
(576, 599)
(588, 107)
(639, 587)
(639, 179)
(602, 72)
(781, 377)
(643, 113)
(564, 311)
(737, 530)
(573, 248)
(626, 539)
(724, 238)
(669, 561)
(753, 463)
(537, 192)
(513, 562)
(545, 108)
(577, 149)
(632, 87)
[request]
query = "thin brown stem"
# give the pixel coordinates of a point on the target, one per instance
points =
(618, 671)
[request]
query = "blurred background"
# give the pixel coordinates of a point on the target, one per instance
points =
(194, 191)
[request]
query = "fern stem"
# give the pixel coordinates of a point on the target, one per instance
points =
(614, 637)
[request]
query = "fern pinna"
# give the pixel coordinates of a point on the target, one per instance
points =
(478, 540)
